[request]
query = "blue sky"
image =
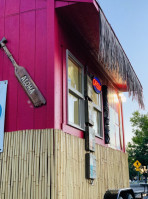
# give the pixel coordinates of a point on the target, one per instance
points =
(129, 20)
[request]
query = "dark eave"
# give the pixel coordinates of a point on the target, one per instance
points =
(87, 18)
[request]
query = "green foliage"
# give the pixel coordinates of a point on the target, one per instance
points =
(138, 148)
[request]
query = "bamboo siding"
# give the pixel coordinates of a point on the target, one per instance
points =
(49, 164)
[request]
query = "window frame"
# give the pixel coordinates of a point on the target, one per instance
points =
(117, 108)
(99, 110)
(76, 94)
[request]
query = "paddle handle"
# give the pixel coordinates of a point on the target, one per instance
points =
(24, 78)
(9, 55)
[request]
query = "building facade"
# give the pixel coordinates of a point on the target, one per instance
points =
(73, 56)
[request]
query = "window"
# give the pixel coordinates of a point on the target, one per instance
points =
(97, 113)
(95, 110)
(120, 124)
(116, 131)
(75, 92)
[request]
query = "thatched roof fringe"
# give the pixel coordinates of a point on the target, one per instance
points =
(113, 57)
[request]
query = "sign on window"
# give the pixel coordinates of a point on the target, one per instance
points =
(3, 93)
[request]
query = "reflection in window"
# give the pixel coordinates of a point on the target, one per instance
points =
(97, 112)
(96, 120)
(117, 137)
(97, 116)
(112, 136)
(100, 133)
(121, 128)
(75, 92)
(74, 75)
(112, 127)
(116, 131)
(95, 97)
(73, 110)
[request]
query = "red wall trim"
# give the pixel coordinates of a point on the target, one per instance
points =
(73, 131)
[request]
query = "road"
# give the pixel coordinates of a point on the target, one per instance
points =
(137, 187)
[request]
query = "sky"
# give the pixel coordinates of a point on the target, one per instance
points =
(129, 20)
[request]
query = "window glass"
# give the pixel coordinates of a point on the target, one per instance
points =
(116, 132)
(116, 118)
(91, 109)
(96, 121)
(100, 100)
(95, 97)
(73, 110)
(112, 127)
(97, 115)
(121, 128)
(74, 75)
(100, 133)
(97, 112)
(117, 137)
(76, 114)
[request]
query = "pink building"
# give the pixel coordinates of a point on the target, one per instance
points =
(59, 149)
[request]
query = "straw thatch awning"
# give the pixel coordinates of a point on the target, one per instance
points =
(87, 18)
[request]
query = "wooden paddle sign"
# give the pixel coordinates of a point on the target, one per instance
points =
(24, 78)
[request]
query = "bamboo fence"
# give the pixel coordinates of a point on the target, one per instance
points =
(50, 164)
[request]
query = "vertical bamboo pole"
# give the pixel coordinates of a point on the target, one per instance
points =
(61, 160)
(61, 167)
(58, 166)
(52, 165)
(49, 159)
(56, 132)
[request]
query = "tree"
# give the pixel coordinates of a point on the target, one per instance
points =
(138, 148)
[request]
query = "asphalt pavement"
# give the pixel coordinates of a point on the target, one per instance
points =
(136, 188)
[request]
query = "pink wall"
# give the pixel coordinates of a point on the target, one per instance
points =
(38, 43)
(24, 24)
(38, 39)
